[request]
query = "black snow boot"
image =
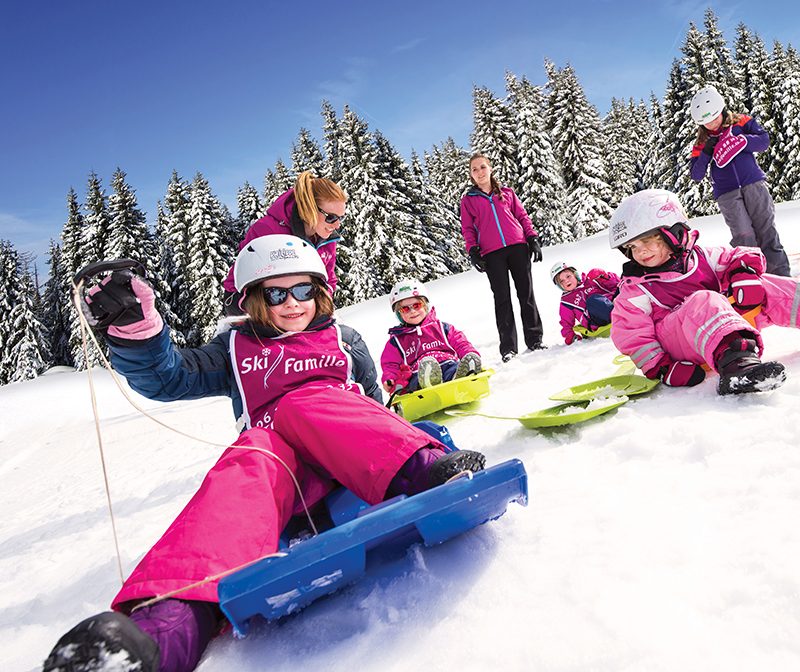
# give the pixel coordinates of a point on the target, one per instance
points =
(454, 463)
(742, 371)
(107, 641)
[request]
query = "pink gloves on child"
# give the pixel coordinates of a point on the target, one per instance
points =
(403, 376)
(124, 305)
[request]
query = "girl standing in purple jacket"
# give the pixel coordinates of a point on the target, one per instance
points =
(500, 239)
(312, 210)
(726, 142)
(308, 427)
(423, 351)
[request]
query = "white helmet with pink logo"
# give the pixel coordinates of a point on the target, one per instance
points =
(275, 255)
(644, 212)
(408, 288)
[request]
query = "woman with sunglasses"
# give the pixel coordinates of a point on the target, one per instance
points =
(500, 240)
(422, 350)
(297, 381)
(312, 210)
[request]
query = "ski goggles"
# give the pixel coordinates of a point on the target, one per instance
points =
(304, 291)
(331, 217)
(414, 307)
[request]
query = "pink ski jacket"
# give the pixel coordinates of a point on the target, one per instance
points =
(282, 217)
(645, 300)
(430, 338)
(573, 303)
(491, 222)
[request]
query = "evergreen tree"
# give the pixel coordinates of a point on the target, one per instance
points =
(493, 135)
(96, 221)
(208, 262)
(26, 353)
(785, 142)
(332, 166)
(576, 138)
(306, 155)
(722, 65)
(56, 309)
(440, 222)
(128, 236)
(250, 208)
(9, 297)
(541, 186)
(447, 168)
(276, 182)
(657, 168)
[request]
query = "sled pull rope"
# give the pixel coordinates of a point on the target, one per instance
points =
(84, 325)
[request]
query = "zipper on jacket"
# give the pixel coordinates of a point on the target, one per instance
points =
(497, 220)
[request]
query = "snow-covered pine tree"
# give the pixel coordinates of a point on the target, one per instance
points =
(785, 176)
(493, 134)
(658, 162)
(163, 277)
(250, 208)
(621, 147)
(541, 187)
(440, 222)
(26, 353)
(276, 182)
(407, 250)
(96, 220)
(128, 235)
(209, 259)
(332, 166)
(306, 155)
(721, 64)
(752, 66)
(576, 136)
(9, 296)
(365, 227)
(447, 169)
(56, 308)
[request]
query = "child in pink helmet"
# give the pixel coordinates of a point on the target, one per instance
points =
(586, 299)
(680, 305)
(422, 350)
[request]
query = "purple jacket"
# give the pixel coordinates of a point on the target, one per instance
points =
(431, 337)
(573, 303)
(743, 170)
(491, 222)
(282, 217)
(645, 298)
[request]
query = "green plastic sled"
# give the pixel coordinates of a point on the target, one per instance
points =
(556, 416)
(613, 386)
(600, 332)
(430, 400)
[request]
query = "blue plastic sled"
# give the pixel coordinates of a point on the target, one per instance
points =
(278, 586)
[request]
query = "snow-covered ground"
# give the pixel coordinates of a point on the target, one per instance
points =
(662, 536)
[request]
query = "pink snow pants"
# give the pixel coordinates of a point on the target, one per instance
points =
(694, 329)
(323, 434)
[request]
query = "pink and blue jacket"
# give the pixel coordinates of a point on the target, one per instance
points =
(491, 222)
(572, 308)
(282, 217)
(408, 344)
(743, 169)
(681, 308)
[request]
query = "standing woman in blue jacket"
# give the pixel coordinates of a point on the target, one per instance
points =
(500, 239)
(726, 141)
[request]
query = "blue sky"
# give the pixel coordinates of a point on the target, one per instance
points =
(223, 88)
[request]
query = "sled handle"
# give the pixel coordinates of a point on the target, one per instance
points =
(106, 265)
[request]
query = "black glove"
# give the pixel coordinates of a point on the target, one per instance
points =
(476, 260)
(113, 301)
(534, 249)
(711, 143)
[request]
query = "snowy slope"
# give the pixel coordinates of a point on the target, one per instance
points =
(663, 536)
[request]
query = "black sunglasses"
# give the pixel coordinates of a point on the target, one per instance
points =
(330, 217)
(304, 291)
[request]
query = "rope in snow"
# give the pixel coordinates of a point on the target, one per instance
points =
(85, 328)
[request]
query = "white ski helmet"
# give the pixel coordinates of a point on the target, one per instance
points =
(645, 211)
(275, 255)
(707, 104)
(407, 289)
(562, 266)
